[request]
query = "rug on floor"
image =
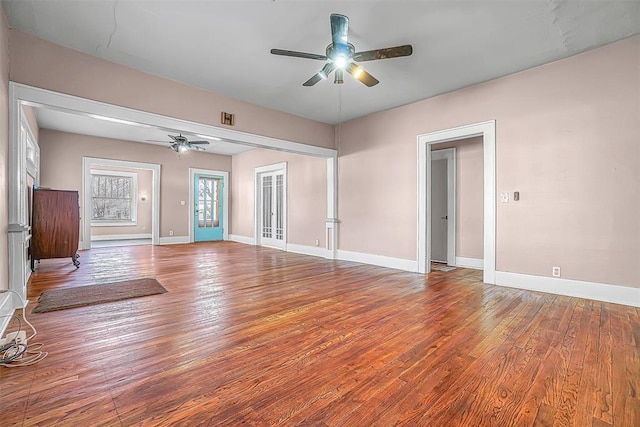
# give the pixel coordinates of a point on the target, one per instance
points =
(442, 268)
(60, 299)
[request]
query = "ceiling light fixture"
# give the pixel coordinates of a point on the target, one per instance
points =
(182, 148)
(355, 71)
(114, 120)
(340, 61)
(215, 138)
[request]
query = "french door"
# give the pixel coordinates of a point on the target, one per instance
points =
(272, 209)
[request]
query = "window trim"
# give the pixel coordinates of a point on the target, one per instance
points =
(134, 199)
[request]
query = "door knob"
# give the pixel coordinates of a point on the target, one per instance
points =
(444, 217)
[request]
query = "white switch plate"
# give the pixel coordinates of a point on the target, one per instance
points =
(504, 197)
(182, 203)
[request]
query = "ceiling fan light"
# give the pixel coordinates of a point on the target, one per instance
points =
(340, 61)
(182, 148)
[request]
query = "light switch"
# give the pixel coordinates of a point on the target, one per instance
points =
(182, 203)
(504, 197)
(516, 196)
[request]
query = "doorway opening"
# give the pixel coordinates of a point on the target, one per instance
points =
(426, 142)
(120, 203)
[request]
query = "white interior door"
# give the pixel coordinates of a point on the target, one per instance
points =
(272, 209)
(439, 212)
(443, 206)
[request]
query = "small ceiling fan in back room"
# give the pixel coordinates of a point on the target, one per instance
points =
(180, 144)
(341, 56)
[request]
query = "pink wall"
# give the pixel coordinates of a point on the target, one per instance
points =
(307, 194)
(567, 139)
(46, 65)
(469, 196)
(143, 212)
(4, 149)
(61, 168)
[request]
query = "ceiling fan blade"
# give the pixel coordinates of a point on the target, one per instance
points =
(298, 54)
(195, 147)
(339, 28)
(199, 142)
(320, 75)
(359, 73)
(390, 52)
(313, 80)
(157, 140)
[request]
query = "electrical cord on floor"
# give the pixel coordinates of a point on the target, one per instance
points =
(13, 353)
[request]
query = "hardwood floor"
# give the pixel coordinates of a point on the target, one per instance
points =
(255, 336)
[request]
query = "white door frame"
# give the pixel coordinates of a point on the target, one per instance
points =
(488, 132)
(449, 155)
(225, 200)
(258, 197)
(85, 196)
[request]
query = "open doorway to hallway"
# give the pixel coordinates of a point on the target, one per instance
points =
(457, 196)
(426, 142)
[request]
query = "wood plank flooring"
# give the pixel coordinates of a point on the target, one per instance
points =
(255, 336)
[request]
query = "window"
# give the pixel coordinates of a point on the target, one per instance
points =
(113, 198)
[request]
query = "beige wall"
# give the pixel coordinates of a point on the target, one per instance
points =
(469, 196)
(61, 168)
(307, 194)
(43, 64)
(567, 139)
(144, 211)
(4, 150)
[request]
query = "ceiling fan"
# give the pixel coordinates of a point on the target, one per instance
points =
(181, 144)
(342, 56)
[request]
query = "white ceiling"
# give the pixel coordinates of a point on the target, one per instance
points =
(224, 45)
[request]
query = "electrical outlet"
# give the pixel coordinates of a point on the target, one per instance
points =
(504, 197)
(317, 242)
(555, 271)
(170, 232)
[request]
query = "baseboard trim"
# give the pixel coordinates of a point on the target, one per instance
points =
(475, 263)
(308, 250)
(379, 260)
(573, 288)
(173, 240)
(242, 239)
(121, 237)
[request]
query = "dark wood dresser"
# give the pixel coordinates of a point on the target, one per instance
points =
(55, 226)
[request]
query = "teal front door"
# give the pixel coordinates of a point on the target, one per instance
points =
(208, 222)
